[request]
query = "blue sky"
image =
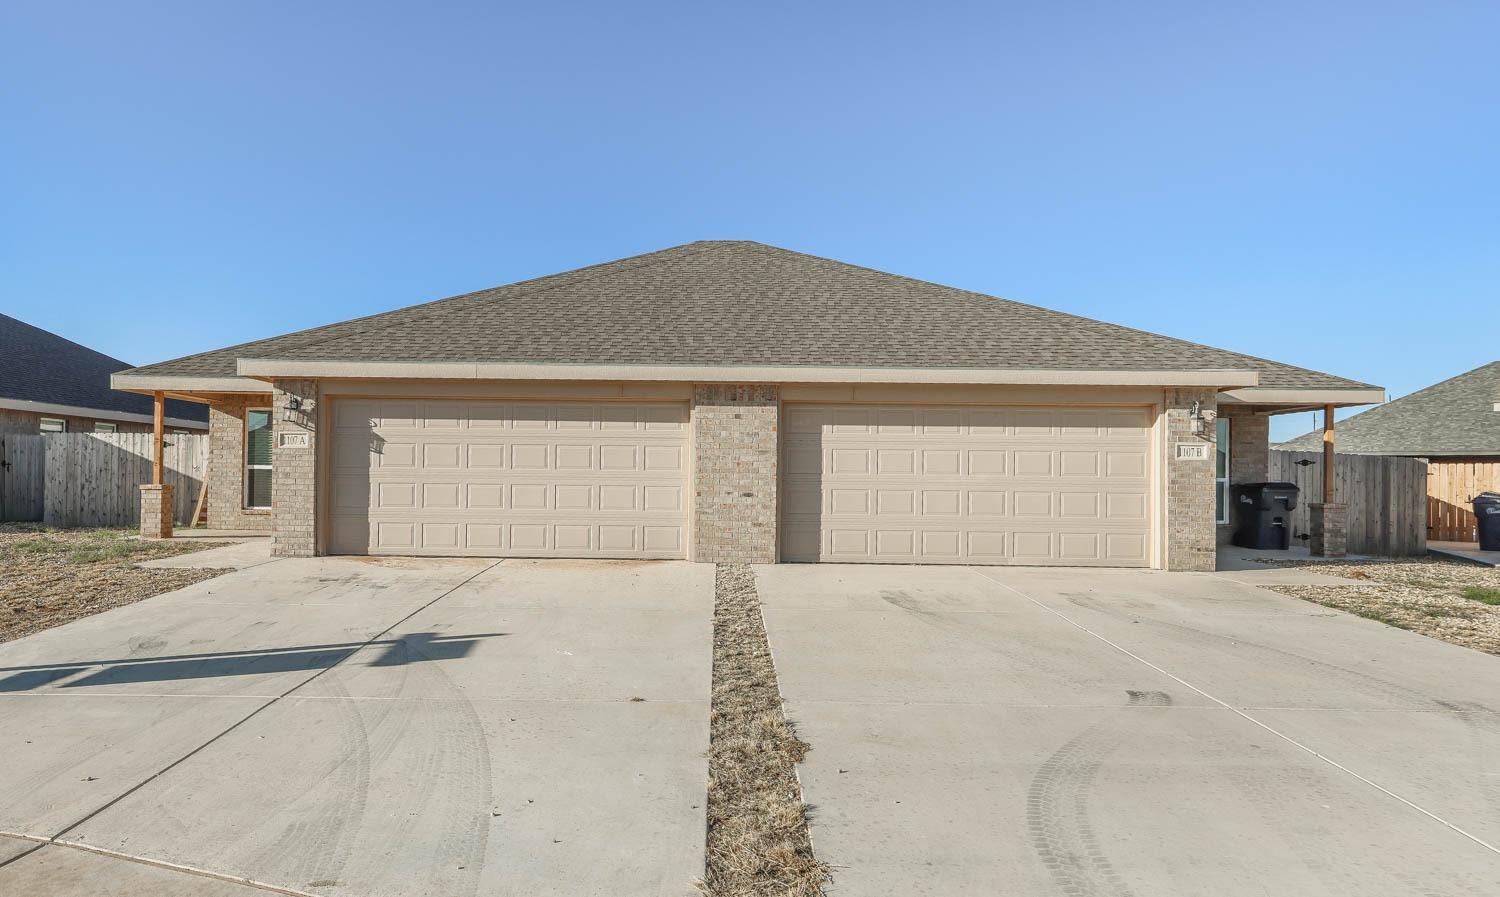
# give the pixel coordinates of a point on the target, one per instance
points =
(1316, 183)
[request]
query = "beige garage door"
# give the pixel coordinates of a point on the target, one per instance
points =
(967, 485)
(508, 478)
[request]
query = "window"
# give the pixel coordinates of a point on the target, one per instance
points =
(100, 427)
(54, 425)
(258, 458)
(1221, 469)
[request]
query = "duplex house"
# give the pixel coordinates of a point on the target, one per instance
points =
(729, 400)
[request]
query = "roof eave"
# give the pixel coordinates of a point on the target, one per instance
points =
(1300, 399)
(269, 368)
(183, 386)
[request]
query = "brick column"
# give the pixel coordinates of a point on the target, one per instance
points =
(156, 511)
(1329, 528)
(735, 449)
(294, 452)
(1191, 538)
(1249, 446)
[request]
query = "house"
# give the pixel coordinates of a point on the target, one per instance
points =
(728, 400)
(53, 385)
(1454, 424)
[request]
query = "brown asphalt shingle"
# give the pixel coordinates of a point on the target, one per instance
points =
(1454, 418)
(742, 303)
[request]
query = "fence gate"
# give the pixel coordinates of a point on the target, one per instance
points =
(1387, 498)
(22, 465)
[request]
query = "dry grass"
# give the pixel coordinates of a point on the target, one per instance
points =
(49, 577)
(758, 843)
(1443, 599)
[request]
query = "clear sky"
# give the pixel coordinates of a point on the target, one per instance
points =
(1318, 183)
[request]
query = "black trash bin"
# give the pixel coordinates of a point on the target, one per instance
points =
(1263, 515)
(1487, 516)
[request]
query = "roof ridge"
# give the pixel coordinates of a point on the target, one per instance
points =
(1044, 310)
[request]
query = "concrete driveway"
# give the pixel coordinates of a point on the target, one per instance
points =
(1010, 731)
(343, 726)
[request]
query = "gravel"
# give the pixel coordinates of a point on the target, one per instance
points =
(49, 577)
(758, 841)
(1425, 595)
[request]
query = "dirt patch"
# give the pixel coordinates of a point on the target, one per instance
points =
(49, 577)
(758, 842)
(1438, 598)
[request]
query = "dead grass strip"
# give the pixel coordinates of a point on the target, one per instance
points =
(758, 841)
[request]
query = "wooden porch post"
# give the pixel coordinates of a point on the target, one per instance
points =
(156, 496)
(1328, 454)
(159, 430)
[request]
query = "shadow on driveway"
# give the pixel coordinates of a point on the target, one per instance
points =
(417, 647)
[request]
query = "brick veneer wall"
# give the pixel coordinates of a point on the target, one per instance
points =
(294, 482)
(1249, 451)
(226, 464)
(735, 464)
(1191, 538)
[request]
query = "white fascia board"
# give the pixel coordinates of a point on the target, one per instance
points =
(1303, 397)
(96, 413)
(268, 368)
(149, 383)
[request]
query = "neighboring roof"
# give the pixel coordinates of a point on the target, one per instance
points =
(40, 367)
(741, 303)
(1457, 417)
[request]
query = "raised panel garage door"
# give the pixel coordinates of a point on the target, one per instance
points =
(508, 478)
(1066, 486)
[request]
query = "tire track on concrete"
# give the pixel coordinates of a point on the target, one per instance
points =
(1412, 805)
(1058, 819)
(58, 839)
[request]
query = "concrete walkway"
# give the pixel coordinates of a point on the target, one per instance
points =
(366, 727)
(234, 556)
(981, 731)
(1464, 551)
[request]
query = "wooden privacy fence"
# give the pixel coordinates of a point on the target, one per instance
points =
(1451, 486)
(1387, 498)
(94, 479)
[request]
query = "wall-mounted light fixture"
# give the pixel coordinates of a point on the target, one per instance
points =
(296, 407)
(1203, 420)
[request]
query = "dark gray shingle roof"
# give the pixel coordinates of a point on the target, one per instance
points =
(1454, 418)
(39, 366)
(741, 302)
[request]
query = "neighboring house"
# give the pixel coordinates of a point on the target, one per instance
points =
(52, 385)
(1454, 424)
(729, 400)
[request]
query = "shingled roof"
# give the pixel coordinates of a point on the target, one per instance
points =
(39, 366)
(1455, 418)
(742, 303)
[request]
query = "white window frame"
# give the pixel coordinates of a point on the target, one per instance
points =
(62, 425)
(1221, 483)
(246, 466)
(105, 427)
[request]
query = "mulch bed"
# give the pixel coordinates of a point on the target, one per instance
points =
(758, 842)
(49, 577)
(1425, 595)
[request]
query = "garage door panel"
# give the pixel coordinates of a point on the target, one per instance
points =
(1027, 485)
(509, 478)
